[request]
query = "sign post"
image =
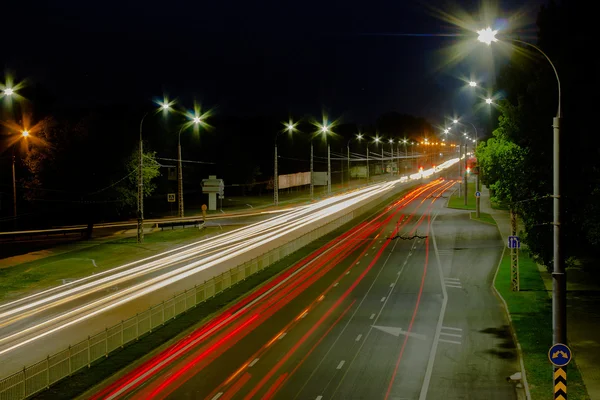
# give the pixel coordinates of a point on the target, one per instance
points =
(560, 355)
(514, 244)
(477, 203)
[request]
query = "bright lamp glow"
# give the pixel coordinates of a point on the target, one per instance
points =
(8, 91)
(487, 36)
(488, 100)
(391, 140)
(197, 120)
(359, 136)
(455, 121)
(165, 106)
(25, 133)
(472, 84)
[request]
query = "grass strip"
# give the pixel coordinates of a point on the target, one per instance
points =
(531, 312)
(458, 202)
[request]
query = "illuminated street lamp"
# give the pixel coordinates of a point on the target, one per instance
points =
(195, 121)
(290, 127)
(472, 83)
(559, 299)
(359, 138)
(488, 100)
(391, 141)
(325, 130)
(8, 92)
(24, 134)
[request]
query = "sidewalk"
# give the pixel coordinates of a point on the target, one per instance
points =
(583, 313)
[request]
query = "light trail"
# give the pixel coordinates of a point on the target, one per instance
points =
(345, 246)
(169, 267)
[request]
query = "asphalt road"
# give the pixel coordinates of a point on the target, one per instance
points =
(47, 322)
(400, 307)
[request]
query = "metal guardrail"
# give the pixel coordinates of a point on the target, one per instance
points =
(40, 376)
(172, 224)
(13, 235)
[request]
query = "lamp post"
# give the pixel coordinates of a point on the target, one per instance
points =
(477, 200)
(359, 138)
(196, 121)
(140, 197)
(24, 135)
(392, 162)
(559, 299)
(290, 127)
(324, 129)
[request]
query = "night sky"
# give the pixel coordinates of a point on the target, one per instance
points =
(352, 59)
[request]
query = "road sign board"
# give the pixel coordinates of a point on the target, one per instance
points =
(559, 355)
(477, 194)
(171, 197)
(514, 242)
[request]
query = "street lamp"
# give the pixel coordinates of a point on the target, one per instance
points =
(391, 141)
(290, 127)
(359, 138)
(325, 130)
(559, 300)
(472, 83)
(8, 92)
(195, 121)
(24, 134)
(488, 100)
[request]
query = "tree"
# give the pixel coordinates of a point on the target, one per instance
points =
(127, 189)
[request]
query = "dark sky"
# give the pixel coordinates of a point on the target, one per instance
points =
(244, 57)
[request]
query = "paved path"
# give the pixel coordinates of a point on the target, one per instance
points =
(583, 313)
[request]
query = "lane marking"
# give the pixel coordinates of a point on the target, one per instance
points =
(392, 284)
(372, 316)
(366, 254)
(451, 329)
(449, 341)
(281, 336)
(335, 284)
(348, 272)
(319, 397)
(382, 299)
(216, 396)
(341, 364)
(253, 362)
(358, 337)
(454, 286)
(451, 334)
(438, 329)
(358, 262)
(452, 279)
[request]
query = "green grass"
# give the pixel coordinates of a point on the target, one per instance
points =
(47, 272)
(483, 217)
(86, 379)
(458, 202)
(531, 312)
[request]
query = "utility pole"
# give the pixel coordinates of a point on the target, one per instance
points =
(180, 179)
(276, 179)
(459, 168)
(348, 148)
(328, 169)
(465, 174)
(477, 199)
(312, 182)
(140, 200)
(368, 173)
(14, 191)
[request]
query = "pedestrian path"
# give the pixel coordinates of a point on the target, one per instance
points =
(583, 308)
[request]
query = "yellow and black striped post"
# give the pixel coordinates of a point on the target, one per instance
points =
(560, 383)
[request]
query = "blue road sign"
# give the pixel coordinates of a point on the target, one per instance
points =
(559, 355)
(477, 194)
(514, 242)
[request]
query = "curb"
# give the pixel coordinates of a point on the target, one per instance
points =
(513, 333)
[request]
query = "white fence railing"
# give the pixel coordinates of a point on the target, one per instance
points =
(39, 376)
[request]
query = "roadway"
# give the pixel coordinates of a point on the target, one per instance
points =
(399, 307)
(49, 321)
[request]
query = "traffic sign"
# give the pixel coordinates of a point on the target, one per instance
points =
(171, 197)
(559, 355)
(514, 242)
(477, 194)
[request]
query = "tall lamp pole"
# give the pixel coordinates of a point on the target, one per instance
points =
(392, 162)
(140, 197)
(559, 300)
(358, 137)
